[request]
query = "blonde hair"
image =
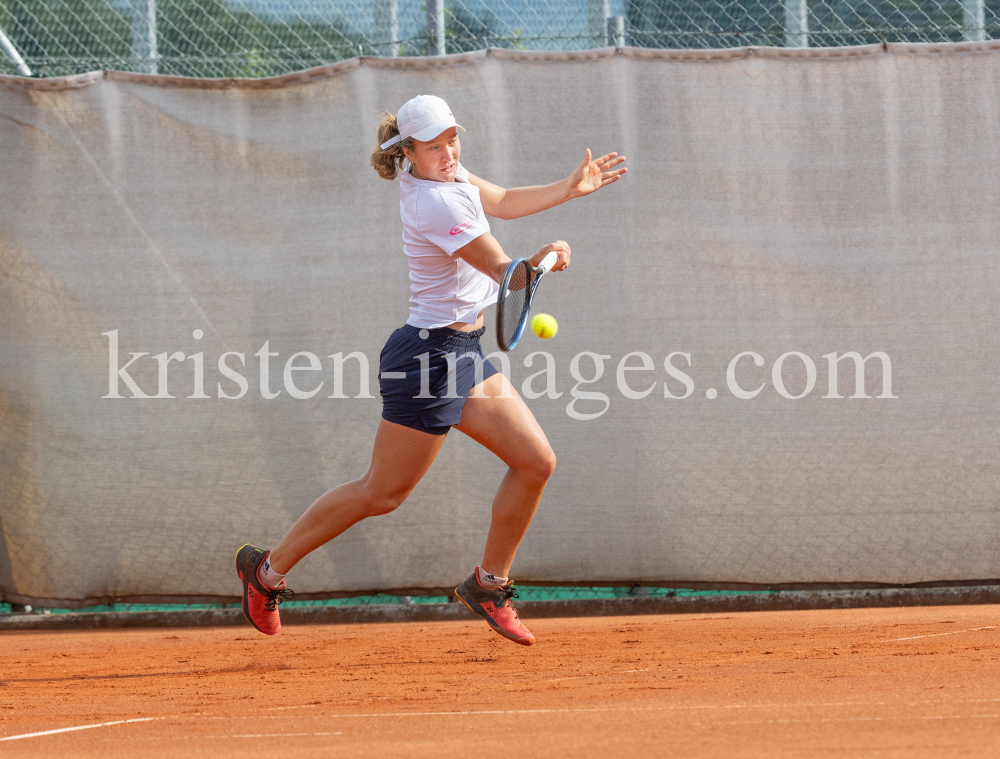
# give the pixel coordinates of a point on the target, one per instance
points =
(389, 162)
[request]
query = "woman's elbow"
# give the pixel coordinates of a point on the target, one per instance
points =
(499, 212)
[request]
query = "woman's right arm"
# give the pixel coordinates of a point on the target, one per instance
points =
(485, 254)
(590, 176)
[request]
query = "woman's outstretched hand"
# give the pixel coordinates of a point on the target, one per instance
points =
(592, 175)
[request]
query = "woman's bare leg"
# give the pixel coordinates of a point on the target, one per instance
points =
(507, 427)
(400, 458)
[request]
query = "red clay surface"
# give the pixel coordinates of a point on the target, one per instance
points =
(866, 682)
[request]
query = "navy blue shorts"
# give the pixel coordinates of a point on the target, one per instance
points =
(423, 393)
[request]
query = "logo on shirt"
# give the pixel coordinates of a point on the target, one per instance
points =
(459, 228)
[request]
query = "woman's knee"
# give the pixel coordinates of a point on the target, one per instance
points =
(539, 465)
(379, 502)
(549, 463)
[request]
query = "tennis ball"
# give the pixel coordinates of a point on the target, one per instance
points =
(544, 326)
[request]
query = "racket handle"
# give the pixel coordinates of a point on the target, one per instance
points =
(548, 262)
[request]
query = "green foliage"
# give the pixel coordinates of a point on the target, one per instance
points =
(465, 31)
(200, 38)
(692, 24)
(66, 36)
(220, 38)
(210, 38)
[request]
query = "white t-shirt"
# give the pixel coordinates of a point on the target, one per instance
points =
(438, 219)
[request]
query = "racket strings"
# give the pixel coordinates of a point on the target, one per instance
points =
(514, 303)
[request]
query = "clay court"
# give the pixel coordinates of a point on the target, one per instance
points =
(913, 682)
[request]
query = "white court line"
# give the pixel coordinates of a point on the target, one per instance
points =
(79, 727)
(516, 711)
(707, 724)
(934, 635)
(473, 712)
(280, 708)
(664, 707)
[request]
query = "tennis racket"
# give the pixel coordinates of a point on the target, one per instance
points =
(517, 290)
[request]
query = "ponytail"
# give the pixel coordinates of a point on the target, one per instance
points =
(389, 162)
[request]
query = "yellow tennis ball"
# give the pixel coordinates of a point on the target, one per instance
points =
(544, 326)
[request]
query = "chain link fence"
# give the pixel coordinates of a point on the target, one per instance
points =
(256, 38)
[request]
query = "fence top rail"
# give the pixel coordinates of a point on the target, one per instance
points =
(908, 49)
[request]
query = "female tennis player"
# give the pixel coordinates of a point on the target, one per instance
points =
(455, 266)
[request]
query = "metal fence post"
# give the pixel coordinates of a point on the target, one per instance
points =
(597, 12)
(15, 57)
(616, 31)
(435, 27)
(386, 27)
(796, 23)
(974, 20)
(144, 36)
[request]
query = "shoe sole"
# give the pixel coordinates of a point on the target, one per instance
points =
(491, 623)
(246, 611)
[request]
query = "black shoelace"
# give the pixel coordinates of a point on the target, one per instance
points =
(275, 597)
(508, 593)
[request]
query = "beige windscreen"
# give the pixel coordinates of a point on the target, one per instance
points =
(785, 216)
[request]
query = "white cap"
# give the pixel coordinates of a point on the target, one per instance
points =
(423, 118)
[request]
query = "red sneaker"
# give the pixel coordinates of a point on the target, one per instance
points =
(260, 603)
(494, 605)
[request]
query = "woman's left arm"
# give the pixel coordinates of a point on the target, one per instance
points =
(590, 176)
